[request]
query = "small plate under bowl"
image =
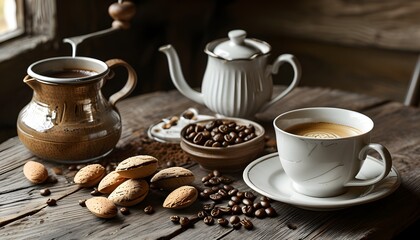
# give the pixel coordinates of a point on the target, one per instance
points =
(267, 177)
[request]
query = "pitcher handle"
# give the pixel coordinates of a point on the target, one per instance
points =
(292, 60)
(129, 85)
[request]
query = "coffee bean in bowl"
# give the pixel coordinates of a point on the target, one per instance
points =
(228, 144)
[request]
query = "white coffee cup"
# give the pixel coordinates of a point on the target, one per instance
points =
(325, 167)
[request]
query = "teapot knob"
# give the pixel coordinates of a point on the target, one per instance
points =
(237, 36)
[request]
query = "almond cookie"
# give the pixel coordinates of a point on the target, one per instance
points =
(181, 197)
(110, 182)
(171, 178)
(89, 175)
(35, 172)
(130, 192)
(138, 166)
(102, 207)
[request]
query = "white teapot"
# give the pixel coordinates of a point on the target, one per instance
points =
(237, 81)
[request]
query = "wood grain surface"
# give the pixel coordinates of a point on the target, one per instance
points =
(24, 213)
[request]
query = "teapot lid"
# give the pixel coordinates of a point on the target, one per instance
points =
(237, 47)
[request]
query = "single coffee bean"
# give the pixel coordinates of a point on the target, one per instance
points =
(209, 220)
(240, 194)
(239, 128)
(237, 226)
(202, 214)
(271, 212)
(208, 191)
(225, 210)
(233, 192)
(257, 205)
(247, 201)
(191, 136)
(248, 210)
(249, 195)
(236, 209)
(225, 144)
(174, 219)
(236, 199)
(72, 168)
(225, 180)
(209, 143)
(45, 192)
(215, 212)
(199, 128)
(216, 197)
(149, 209)
(203, 195)
(170, 164)
(206, 134)
(264, 198)
(222, 222)
(292, 226)
(214, 181)
(210, 125)
(260, 213)
(223, 128)
(82, 202)
(216, 173)
(234, 219)
(265, 204)
(208, 207)
(51, 202)
(218, 138)
(184, 221)
(125, 211)
(231, 203)
(215, 189)
(216, 144)
(223, 192)
(227, 187)
(239, 140)
(190, 129)
(247, 224)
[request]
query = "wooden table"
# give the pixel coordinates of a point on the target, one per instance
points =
(24, 213)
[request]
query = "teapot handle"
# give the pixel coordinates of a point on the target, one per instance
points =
(129, 85)
(292, 60)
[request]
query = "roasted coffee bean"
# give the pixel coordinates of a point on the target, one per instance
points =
(226, 180)
(223, 192)
(265, 204)
(208, 191)
(202, 214)
(208, 207)
(271, 212)
(260, 213)
(82, 202)
(207, 184)
(170, 164)
(217, 173)
(240, 194)
(222, 222)
(247, 201)
(249, 137)
(225, 210)
(239, 140)
(236, 209)
(45, 192)
(203, 195)
(239, 128)
(236, 199)
(209, 143)
(149, 209)
(199, 138)
(216, 144)
(231, 203)
(210, 125)
(292, 226)
(218, 138)
(51, 202)
(215, 212)
(191, 136)
(216, 197)
(95, 192)
(199, 128)
(234, 219)
(214, 181)
(215, 189)
(225, 144)
(209, 220)
(184, 221)
(247, 224)
(257, 205)
(190, 129)
(223, 128)
(205, 179)
(248, 210)
(175, 219)
(229, 139)
(242, 134)
(249, 195)
(124, 211)
(264, 198)
(233, 192)
(227, 187)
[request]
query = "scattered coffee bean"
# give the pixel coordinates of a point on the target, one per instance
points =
(209, 220)
(216, 197)
(149, 209)
(208, 207)
(249, 195)
(45, 192)
(247, 201)
(215, 212)
(125, 211)
(225, 210)
(82, 202)
(205, 179)
(51, 202)
(170, 164)
(175, 219)
(291, 226)
(247, 224)
(233, 192)
(202, 214)
(248, 210)
(260, 213)
(234, 219)
(271, 212)
(236, 209)
(240, 194)
(184, 221)
(264, 198)
(265, 204)
(257, 205)
(95, 192)
(222, 222)
(237, 226)
(72, 168)
(227, 187)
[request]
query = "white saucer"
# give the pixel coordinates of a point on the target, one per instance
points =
(266, 176)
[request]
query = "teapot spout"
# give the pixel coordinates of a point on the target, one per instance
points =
(31, 82)
(177, 75)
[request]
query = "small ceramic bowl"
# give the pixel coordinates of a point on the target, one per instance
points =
(232, 158)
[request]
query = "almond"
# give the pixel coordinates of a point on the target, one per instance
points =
(101, 207)
(35, 172)
(171, 178)
(130, 192)
(89, 175)
(138, 166)
(181, 197)
(110, 182)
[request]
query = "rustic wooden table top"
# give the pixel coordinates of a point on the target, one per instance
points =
(24, 213)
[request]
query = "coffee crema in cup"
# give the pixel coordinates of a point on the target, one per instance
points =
(71, 73)
(324, 130)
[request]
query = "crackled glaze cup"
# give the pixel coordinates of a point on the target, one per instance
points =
(323, 149)
(68, 119)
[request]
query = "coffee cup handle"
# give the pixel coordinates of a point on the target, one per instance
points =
(387, 164)
(292, 60)
(129, 85)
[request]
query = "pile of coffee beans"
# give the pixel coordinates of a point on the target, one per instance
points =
(218, 133)
(218, 190)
